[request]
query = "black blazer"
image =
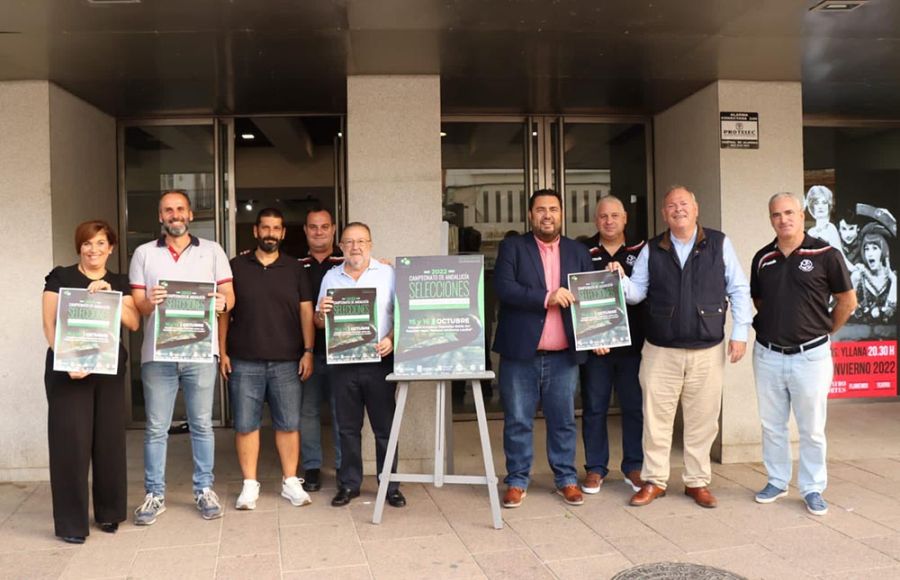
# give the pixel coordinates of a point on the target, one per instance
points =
(521, 289)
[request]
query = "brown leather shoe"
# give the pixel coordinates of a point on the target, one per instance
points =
(633, 479)
(513, 497)
(648, 493)
(592, 482)
(702, 496)
(571, 494)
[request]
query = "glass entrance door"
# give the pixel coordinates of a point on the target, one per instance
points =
(155, 157)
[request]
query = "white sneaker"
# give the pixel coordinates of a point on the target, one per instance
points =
(292, 490)
(249, 495)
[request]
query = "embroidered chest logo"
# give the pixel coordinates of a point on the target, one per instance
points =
(630, 260)
(806, 265)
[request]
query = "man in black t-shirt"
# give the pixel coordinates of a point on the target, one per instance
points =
(792, 281)
(265, 347)
(323, 256)
(613, 369)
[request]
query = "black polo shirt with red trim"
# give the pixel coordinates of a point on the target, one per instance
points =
(626, 255)
(793, 291)
(316, 271)
(265, 321)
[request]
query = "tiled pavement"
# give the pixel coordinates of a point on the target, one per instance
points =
(446, 532)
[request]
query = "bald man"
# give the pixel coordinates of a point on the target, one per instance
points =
(613, 369)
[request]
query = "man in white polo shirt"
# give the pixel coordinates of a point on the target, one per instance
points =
(177, 255)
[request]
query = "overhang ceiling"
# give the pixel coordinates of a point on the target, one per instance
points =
(165, 57)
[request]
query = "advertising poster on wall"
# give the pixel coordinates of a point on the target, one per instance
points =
(87, 331)
(865, 349)
(599, 316)
(438, 315)
(351, 327)
(185, 322)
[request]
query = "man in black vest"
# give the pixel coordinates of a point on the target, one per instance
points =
(688, 275)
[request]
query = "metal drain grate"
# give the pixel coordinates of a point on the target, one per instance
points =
(675, 571)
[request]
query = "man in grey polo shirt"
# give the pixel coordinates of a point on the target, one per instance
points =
(177, 255)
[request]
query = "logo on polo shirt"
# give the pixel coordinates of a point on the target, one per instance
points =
(631, 259)
(806, 265)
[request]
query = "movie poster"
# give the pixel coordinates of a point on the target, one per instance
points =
(865, 349)
(438, 315)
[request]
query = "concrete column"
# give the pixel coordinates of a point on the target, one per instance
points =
(57, 169)
(394, 185)
(733, 187)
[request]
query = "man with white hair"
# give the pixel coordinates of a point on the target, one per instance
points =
(792, 281)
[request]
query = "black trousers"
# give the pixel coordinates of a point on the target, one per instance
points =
(85, 428)
(358, 388)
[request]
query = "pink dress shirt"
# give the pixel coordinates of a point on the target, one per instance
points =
(553, 336)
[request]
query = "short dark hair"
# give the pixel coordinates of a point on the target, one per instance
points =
(269, 212)
(182, 192)
(318, 208)
(542, 193)
(87, 230)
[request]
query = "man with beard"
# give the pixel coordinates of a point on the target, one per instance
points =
(177, 255)
(536, 343)
(266, 349)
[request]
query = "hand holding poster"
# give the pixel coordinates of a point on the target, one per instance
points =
(351, 326)
(87, 331)
(599, 316)
(438, 315)
(185, 322)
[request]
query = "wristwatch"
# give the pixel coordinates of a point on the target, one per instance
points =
(307, 351)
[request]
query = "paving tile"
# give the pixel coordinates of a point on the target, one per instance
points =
(104, 555)
(611, 521)
(605, 566)
(751, 561)
(888, 545)
(320, 511)
(23, 531)
(479, 536)
(424, 557)
(36, 564)
(540, 502)
(820, 550)
(320, 546)
(512, 565)
(452, 499)
(673, 504)
(647, 547)
(851, 524)
(867, 503)
(256, 566)
(865, 574)
(559, 537)
(181, 525)
(749, 475)
(420, 517)
(179, 561)
(788, 512)
(342, 573)
(699, 532)
(886, 467)
(249, 532)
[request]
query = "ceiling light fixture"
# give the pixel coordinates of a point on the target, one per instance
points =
(249, 206)
(248, 136)
(443, 133)
(837, 5)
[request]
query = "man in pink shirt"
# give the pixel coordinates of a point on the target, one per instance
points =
(538, 361)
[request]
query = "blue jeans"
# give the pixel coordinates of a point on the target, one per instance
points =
(316, 388)
(799, 381)
(547, 379)
(600, 375)
(253, 382)
(161, 381)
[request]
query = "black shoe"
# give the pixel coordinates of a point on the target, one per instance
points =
(396, 499)
(311, 480)
(73, 539)
(343, 496)
(109, 528)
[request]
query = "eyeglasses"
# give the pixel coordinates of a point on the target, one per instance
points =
(352, 243)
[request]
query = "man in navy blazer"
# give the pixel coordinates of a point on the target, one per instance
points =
(538, 361)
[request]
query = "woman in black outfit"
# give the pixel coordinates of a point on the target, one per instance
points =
(86, 412)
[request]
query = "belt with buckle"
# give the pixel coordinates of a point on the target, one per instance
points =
(794, 349)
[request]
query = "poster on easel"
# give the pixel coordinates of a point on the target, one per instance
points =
(438, 315)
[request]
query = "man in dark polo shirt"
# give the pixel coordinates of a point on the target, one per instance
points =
(791, 282)
(266, 348)
(323, 256)
(608, 369)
